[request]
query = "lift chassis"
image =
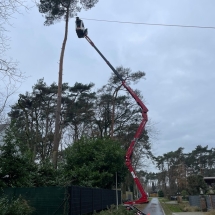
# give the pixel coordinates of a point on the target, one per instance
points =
(82, 33)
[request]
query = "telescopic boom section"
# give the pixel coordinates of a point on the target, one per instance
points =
(143, 198)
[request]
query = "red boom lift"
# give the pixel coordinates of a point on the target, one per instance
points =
(82, 33)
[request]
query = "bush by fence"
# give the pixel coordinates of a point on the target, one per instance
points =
(45, 200)
(72, 200)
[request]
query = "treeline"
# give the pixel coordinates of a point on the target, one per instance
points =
(106, 118)
(179, 171)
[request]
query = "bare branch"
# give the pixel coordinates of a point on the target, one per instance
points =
(8, 8)
(5, 92)
(9, 71)
(10, 76)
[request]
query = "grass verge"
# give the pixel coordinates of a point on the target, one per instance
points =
(211, 212)
(178, 207)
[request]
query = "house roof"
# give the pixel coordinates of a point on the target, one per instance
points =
(209, 178)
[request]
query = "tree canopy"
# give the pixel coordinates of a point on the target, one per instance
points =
(184, 171)
(95, 162)
(55, 10)
(101, 117)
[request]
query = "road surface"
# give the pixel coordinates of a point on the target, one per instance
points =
(154, 208)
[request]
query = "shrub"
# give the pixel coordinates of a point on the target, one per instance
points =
(188, 208)
(184, 193)
(160, 193)
(18, 206)
(113, 210)
(211, 212)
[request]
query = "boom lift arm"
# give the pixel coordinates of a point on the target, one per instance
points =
(144, 110)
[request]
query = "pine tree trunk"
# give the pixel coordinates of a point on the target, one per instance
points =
(57, 135)
(113, 110)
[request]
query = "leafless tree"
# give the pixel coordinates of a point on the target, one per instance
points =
(5, 93)
(10, 76)
(7, 9)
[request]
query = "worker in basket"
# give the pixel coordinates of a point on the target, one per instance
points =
(80, 30)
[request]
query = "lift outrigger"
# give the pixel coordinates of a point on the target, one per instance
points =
(82, 33)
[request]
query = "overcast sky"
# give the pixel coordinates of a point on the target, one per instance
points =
(179, 62)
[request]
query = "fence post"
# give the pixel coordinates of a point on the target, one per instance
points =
(116, 193)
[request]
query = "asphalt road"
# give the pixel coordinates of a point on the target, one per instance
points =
(153, 208)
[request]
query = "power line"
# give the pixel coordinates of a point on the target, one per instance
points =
(155, 24)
